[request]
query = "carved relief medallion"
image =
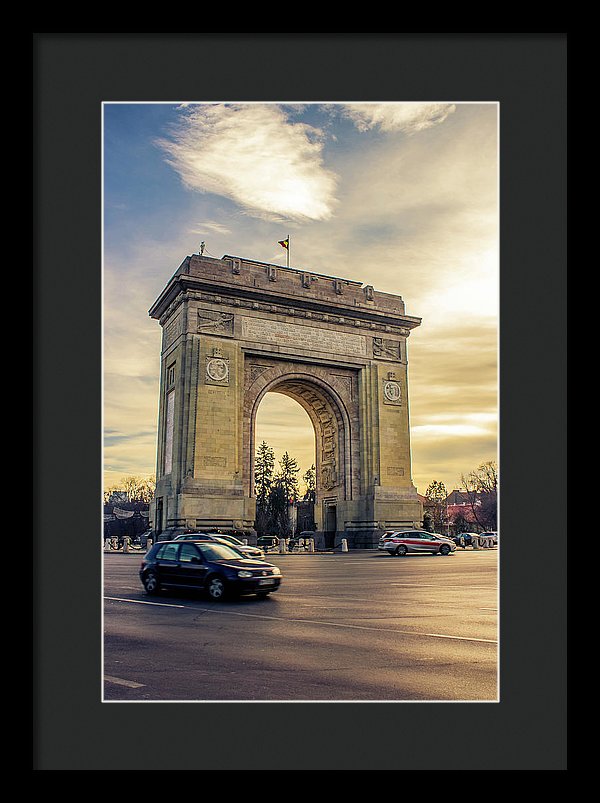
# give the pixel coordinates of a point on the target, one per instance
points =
(217, 370)
(391, 392)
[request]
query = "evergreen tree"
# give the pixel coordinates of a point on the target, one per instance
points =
(264, 465)
(310, 479)
(279, 519)
(263, 472)
(287, 476)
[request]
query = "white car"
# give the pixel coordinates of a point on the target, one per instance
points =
(404, 542)
(230, 540)
(491, 535)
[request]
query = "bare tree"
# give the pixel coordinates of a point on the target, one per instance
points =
(138, 489)
(481, 487)
(436, 495)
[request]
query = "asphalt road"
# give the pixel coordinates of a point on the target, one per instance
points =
(355, 626)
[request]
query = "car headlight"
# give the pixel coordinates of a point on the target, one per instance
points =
(276, 570)
(244, 573)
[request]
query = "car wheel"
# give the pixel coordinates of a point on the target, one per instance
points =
(216, 587)
(444, 549)
(151, 583)
(401, 551)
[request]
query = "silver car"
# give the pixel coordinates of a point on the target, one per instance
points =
(223, 538)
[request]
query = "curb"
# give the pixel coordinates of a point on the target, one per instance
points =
(137, 553)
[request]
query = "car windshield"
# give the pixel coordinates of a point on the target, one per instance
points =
(219, 552)
(193, 537)
(231, 539)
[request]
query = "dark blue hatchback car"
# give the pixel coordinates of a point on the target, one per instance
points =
(216, 568)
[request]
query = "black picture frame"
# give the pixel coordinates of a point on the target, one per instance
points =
(73, 74)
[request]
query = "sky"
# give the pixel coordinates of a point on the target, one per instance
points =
(402, 196)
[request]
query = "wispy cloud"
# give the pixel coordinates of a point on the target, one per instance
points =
(254, 155)
(210, 225)
(407, 118)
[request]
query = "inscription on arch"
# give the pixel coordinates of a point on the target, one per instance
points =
(305, 337)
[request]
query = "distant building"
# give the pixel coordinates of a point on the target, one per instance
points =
(424, 501)
(474, 509)
(461, 498)
(461, 509)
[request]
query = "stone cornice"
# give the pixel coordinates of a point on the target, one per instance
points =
(184, 286)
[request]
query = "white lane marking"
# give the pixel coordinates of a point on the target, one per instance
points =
(434, 585)
(121, 682)
(462, 638)
(313, 622)
(339, 598)
(143, 602)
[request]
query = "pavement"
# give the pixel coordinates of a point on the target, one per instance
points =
(356, 626)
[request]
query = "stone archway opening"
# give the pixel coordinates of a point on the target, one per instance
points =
(285, 426)
(333, 435)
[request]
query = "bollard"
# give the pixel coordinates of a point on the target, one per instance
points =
(344, 545)
(311, 544)
(126, 541)
(282, 546)
(114, 543)
(148, 544)
(475, 542)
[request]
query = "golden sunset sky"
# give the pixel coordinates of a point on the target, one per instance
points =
(403, 196)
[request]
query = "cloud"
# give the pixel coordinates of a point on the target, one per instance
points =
(210, 225)
(255, 156)
(406, 118)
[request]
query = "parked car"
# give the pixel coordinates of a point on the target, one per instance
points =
(492, 534)
(248, 551)
(213, 567)
(143, 538)
(192, 535)
(464, 539)
(268, 542)
(403, 542)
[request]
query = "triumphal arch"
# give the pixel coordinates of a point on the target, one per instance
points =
(234, 329)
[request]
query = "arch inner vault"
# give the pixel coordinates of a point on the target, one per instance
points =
(235, 329)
